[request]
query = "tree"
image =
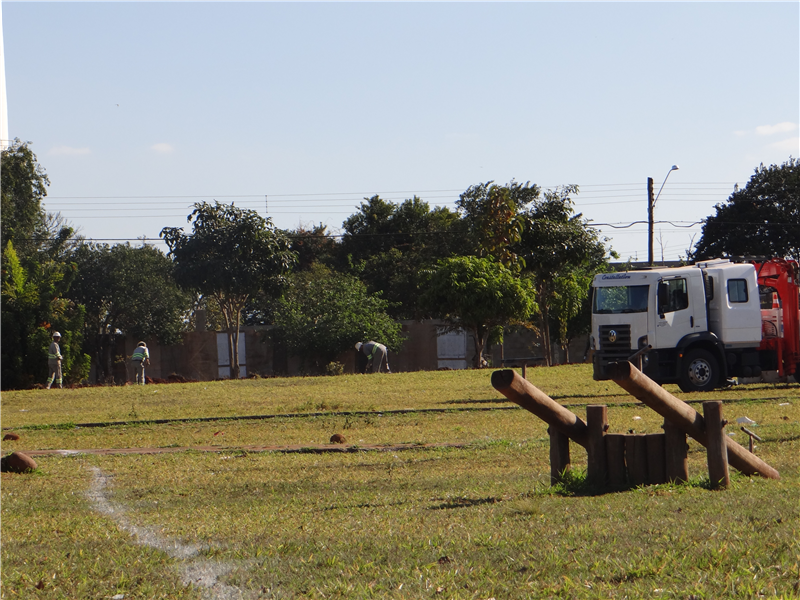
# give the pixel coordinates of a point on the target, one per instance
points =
(232, 255)
(131, 290)
(323, 313)
(555, 242)
(388, 246)
(761, 219)
(35, 276)
(312, 246)
(479, 295)
(33, 307)
(492, 214)
(24, 186)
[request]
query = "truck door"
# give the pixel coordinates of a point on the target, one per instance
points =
(675, 317)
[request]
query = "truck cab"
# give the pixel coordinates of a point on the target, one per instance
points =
(694, 326)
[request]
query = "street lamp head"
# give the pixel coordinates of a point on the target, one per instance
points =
(674, 168)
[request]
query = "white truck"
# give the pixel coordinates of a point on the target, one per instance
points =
(700, 325)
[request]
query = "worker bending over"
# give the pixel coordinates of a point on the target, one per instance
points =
(377, 355)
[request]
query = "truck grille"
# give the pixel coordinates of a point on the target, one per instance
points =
(615, 337)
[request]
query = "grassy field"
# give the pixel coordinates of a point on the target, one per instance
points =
(476, 521)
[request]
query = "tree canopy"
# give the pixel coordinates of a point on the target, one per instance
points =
(127, 289)
(555, 242)
(478, 295)
(493, 217)
(324, 313)
(761, 219)
(388, 246)
(232, 254)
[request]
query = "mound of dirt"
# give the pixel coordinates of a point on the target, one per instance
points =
(11, 436)
(17, 462)
(338, 438)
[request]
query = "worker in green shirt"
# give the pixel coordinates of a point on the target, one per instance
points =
(54, 361)
(140, 358)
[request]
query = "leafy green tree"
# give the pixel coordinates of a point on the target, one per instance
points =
(555, 242)
(231, 255)
(388, 246)
(312, 246)
(323, 313)
(33, 306)
(131, 290)
(570, 294)
(761, 219)
(24, 186)
(479, 295)
(493, 217)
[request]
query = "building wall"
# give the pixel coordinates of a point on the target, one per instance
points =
(196, 358)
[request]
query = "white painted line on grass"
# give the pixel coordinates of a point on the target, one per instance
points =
(194, 570)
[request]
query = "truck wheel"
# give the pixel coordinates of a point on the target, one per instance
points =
(699, 372)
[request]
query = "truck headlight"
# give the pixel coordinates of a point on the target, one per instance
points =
(642, 341)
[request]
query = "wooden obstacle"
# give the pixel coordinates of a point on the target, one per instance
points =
(634, 459)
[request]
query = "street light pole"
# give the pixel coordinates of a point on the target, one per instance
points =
(651, 206)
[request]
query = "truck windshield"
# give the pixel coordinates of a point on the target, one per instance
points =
(622, 299)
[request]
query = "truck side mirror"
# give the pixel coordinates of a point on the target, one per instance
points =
(662, 298)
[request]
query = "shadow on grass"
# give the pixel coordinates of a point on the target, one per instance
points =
(466, 503)
(574, 483)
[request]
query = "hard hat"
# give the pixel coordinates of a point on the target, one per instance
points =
(358, 345)
(56, 334)
(141, 344)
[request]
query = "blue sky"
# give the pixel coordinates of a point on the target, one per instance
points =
(137, 110)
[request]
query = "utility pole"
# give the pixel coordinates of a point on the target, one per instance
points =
(650, 221)
(651, 206)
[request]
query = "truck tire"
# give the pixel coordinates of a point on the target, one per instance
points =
(699, 371)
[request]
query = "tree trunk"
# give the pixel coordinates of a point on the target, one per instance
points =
(235, 362)
(479, 344)
(548, 350)
(543, 294)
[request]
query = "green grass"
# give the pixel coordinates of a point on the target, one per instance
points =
(475, 522)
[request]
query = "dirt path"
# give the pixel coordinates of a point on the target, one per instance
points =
(296, 448)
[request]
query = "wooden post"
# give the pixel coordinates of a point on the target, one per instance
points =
(615, 458)
(684, 416)
(717, 451)
(559, 455)
(597, 423)
(636, 457)
(675, 449)
(656, 461)
(509, 383)
(524, 370)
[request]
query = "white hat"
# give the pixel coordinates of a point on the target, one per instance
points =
(56, 334)
(358, 345)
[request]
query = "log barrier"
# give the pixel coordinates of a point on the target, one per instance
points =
(635, 459)
(683, 416)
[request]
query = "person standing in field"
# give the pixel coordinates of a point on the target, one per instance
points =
(140, 358)
(54, 361)
(377, 355)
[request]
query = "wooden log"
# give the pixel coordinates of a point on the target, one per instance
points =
(559, 455)
(597, 423)
(684, 417)
(675, 450)
(522, 392)
(636, 458)
(716, 450)
(656, 460)
(615, 458)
